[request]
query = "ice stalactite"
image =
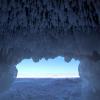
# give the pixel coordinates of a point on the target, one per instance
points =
(89, 71)
(48, 28)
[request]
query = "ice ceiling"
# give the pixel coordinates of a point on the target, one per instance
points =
(48, 28)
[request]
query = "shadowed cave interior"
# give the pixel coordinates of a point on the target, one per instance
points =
(49, 28)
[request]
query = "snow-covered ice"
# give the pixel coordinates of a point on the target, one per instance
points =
(43, 89)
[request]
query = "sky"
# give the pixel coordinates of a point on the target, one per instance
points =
(52, 68)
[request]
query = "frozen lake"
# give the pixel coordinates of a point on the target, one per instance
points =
(44, 89)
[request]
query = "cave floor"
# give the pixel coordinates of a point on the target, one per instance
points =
(44, 89)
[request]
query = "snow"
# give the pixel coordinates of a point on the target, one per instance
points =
(43, 89)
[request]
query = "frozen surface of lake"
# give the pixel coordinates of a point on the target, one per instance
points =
(44, 89)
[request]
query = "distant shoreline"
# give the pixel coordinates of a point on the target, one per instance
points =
(49, 78)
(46, 79)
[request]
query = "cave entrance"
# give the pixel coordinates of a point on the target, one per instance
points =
(51, 68)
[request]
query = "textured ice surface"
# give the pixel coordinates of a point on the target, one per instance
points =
(43, 89)
(48, 28)
(7, 76)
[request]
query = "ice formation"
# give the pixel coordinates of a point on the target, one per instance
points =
(7, 76)
(48, 28)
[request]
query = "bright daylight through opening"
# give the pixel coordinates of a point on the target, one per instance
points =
(51, 68)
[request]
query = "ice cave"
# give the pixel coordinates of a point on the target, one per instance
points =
(49, 28)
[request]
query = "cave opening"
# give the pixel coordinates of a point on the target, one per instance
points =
(51, 68)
